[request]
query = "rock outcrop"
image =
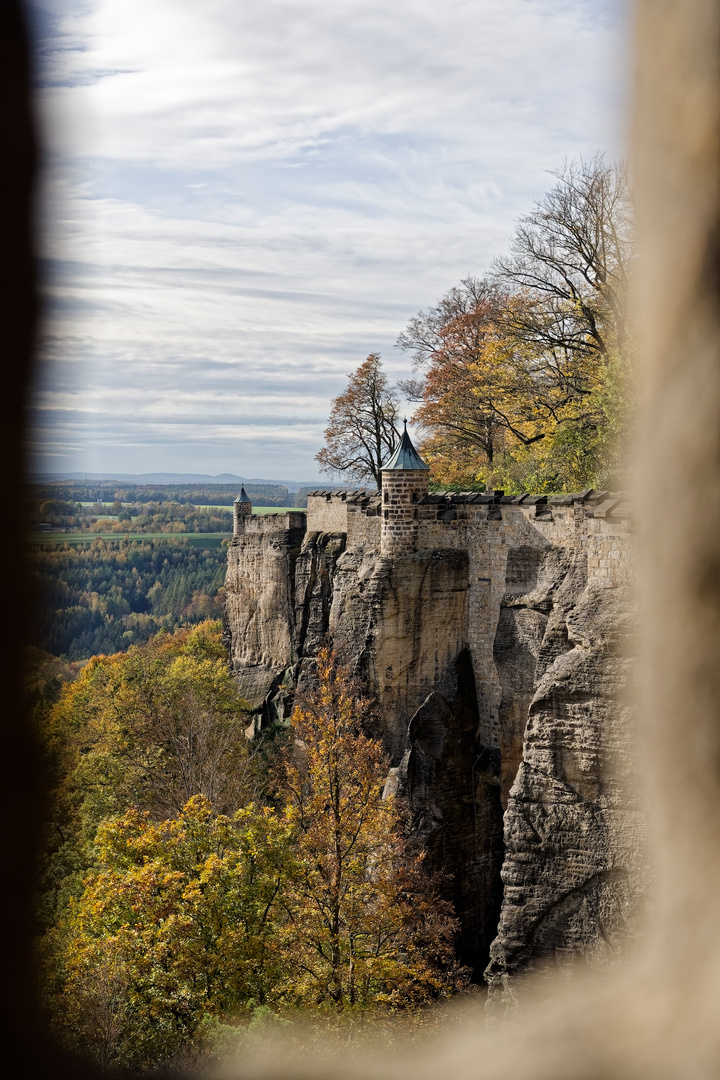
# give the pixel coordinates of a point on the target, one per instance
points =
(495, 640)
(573, 874)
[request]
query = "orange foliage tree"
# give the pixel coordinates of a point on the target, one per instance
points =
(365, 927)
(525, 373)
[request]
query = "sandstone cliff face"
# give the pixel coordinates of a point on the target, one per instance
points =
(573, 874)
(400, 623)
(495, 652)
(259, 608)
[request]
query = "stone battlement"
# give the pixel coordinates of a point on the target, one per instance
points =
(268, 523)
(332, 511)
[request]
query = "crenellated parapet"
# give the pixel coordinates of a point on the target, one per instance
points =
(274, 523)
(587, 519)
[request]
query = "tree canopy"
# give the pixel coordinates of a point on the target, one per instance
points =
(284, 880)
(524, 373)
(366, 928)
(106, 595)
(362, 429)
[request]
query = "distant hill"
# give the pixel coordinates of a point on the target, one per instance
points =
(177, 478)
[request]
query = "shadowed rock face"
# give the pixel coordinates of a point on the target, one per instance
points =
(453, 788)
(404, 632)
(531, 632)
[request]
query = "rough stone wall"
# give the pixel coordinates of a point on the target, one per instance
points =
(241, 513)
(327, 512)
(494, 651)
(363, 528)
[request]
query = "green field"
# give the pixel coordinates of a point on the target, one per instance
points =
(256, 509)
(215, 506)
(277, 509)
(206, 540)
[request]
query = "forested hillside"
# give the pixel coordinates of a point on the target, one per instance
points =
(105, 596)
(197, 494)
(194, 884)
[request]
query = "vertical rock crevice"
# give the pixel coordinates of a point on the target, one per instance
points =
(453, 791)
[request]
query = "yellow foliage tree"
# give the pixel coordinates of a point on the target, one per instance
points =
(177, 922)
(364, 928)
(149, 728)
(526, 374)
(157, 922)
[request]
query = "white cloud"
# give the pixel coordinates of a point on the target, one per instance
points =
(243, 200)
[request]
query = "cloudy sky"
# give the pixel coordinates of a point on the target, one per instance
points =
(243, 198)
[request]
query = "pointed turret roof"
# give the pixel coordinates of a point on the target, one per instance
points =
(243, 496)
(405, 455)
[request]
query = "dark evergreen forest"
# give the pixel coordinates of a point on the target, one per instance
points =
(106, 595)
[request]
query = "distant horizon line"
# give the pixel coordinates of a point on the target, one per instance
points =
(45, 476)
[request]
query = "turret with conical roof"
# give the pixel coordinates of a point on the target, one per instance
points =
(243, 510)
(405, 478)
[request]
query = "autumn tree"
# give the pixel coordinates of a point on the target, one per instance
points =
(476, 396)
(176, 922)
(157, 725)
(362, 429)
(523, 372)
(571, 259)
(159, 917)
(365, 929)
(149, 728)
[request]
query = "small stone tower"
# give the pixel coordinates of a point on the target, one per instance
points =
(404, 483)
(243, 510)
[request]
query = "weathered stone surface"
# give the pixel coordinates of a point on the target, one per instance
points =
(495, 650)
(314, 572)
(574, 831)
(540, 586)
(411, 635)
(260, 609)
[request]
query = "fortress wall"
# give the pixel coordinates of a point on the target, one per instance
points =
(326, 514)
(496, 653)
(488, 542)
(363, 530)
(609, 546)
(275, 523)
